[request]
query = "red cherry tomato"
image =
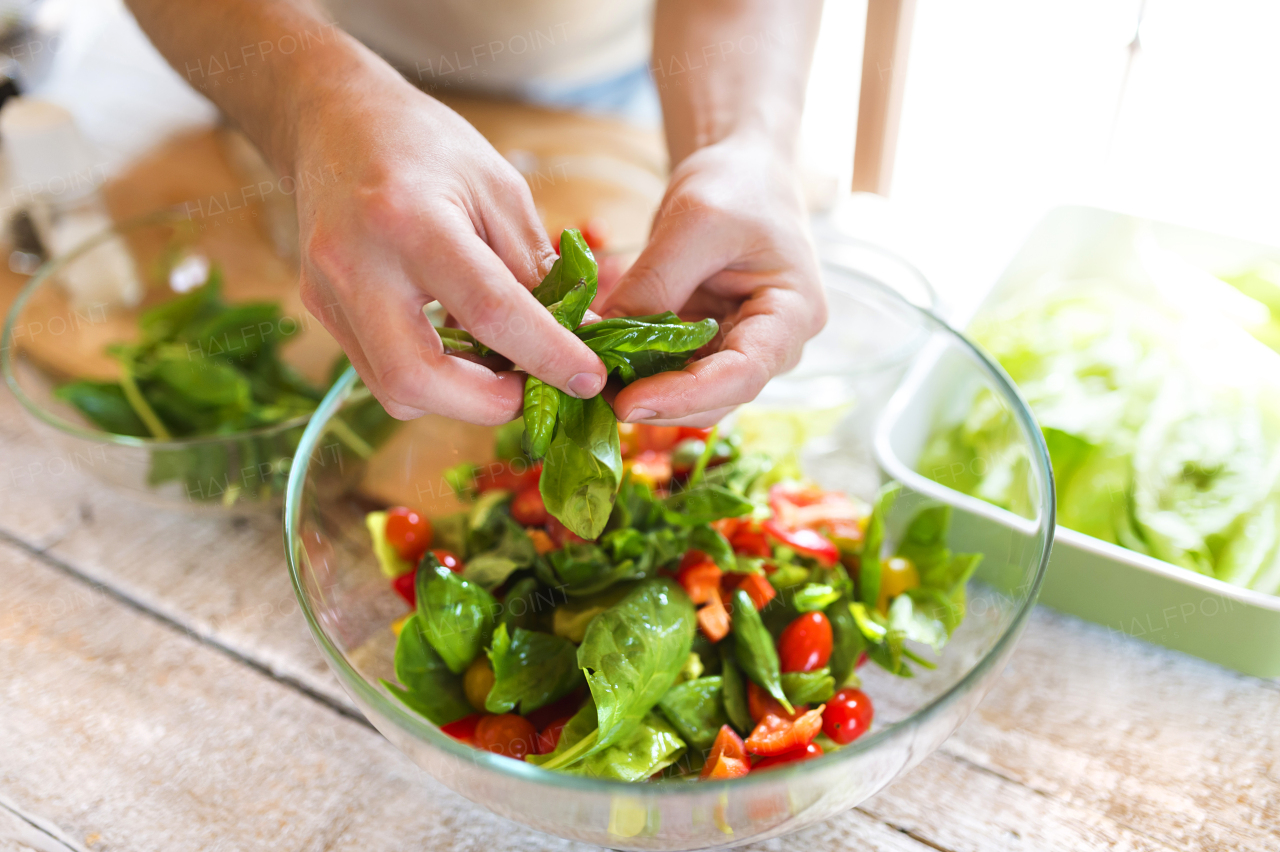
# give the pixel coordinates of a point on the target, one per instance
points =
(805, 645)
(404, 587)
(749, 542)
(507, 734)
(528, 509)
(409, 532)
(565, 706)
(448, 560)
(809, 752)
(659, 438)
(549, 737)
(728, 756)
(694, 433)
(775, 735)
(595, 232)
(761, 704)
(515, 476)
(806, 541)
(464, 729)
(848, 716)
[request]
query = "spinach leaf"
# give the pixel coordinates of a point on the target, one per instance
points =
(734, 691)
(202, 381)
(583, 467)
(575, 264)
(754, 650)
(530, 670)
(105, 405)
(429, 687)
(847, 642)
(869, 564)
(541, 406)
(808, 687)
(585, 569)
(704, 504)
(457, 615)
(696, 710)
(631, 654)
(647, 747)
(520, 605)
(512, 551)
(707, 539)
(572, 618)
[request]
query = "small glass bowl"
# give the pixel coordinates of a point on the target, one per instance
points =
(350, 607)
(49, 338)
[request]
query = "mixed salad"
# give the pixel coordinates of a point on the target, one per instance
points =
(1162, 421)
(711, 627)
(200, 366)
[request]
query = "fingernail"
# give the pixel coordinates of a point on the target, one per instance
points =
(640, 414)
(585, 385)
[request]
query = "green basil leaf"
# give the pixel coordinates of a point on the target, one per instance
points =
(704, 504)
(812, 597)
(734, 691)
(741, 474)
(585, 569)
(530, 670)
(541, 406)
(571, 310)
(571, 619)
(808, 687)
(429, 687)
(575, 264)
(167, 320)
(583, 467)
(104, 405)
(457, 615)
(847, 642)
(512, 551)
(203, 381)
(706, 538)
(754, 650)
(520, 605)
(869, 565)
(644, 749)
(631, 654)
(508, 440)
(238, 331)
(636, 334)
(696, 709)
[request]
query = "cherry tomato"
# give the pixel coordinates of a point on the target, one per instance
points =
(477, 680)
(561, 535)
(660, 438)
(506, 734)
(595, 232)
(463, 729)
(515, 476)
(409, 532)
(726, 526)
(897, 575)
(652, 467)
(806, 541)
(761, 704)
(805, 644)
(549, 737)
(694, 433)
(404, 587)
(700, 579)
(749, 542)
(528, 509)
(808, 752)
(775, 735)
(848, 716)
(448, 560)
(713, 618)
(759, 589)
(728, 756)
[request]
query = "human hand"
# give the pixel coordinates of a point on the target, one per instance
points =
(412, 204)
(730, 242)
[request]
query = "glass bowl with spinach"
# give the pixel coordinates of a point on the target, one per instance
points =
(652, 638)
(197, 395)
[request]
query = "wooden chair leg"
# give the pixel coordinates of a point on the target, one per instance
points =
(884, 78)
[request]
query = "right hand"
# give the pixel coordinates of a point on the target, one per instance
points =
(401, 201)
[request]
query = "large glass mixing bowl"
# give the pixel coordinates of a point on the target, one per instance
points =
(856, 441)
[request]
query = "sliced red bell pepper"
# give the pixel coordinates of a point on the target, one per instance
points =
(775, 735)
(806, 541)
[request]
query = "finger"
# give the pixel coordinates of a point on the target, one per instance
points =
(701, 420)
(491, 304)
(680, 256)
(515, 233)
(339, 326)
(766, 340)
(409, 370)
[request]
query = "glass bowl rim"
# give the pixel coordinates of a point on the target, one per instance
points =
(47, 271)
(424, 731)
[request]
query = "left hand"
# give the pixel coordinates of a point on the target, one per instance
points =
(730, 241)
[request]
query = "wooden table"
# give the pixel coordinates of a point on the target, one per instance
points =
(160, 691)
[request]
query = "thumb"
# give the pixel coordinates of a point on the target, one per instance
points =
(678, 258)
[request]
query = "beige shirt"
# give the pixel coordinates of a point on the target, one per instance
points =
(503, 46)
